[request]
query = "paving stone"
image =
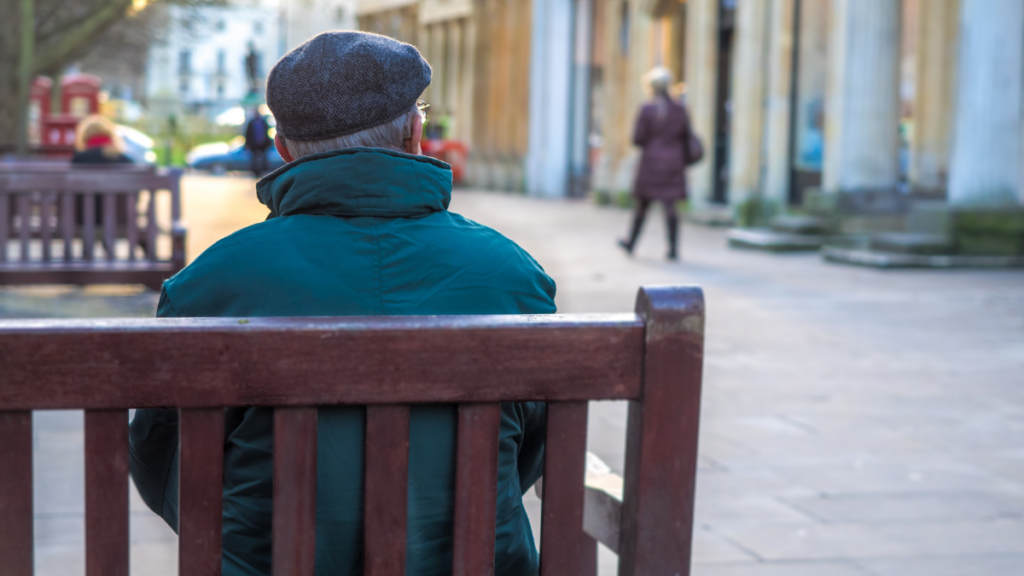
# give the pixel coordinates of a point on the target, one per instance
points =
(947, 565)
(837, 568)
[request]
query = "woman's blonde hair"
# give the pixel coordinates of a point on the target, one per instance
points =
(96, 125)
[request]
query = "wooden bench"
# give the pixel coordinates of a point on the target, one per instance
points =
(89, 225)
(652, 358)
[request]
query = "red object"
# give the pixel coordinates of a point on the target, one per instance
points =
(80, 95)
(453, 152)
(58, 137)
(101, 140)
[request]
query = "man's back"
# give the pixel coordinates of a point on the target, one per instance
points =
(356, 232)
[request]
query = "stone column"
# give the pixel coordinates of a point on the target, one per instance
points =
(547, 162)
(438, 61)
(863, 102)
(778, 104)
(701, 80)
(453, 71)
(811, 86)
(583, 26)
(985, 168)
(467, 93)
(938, 31)
(748, 95)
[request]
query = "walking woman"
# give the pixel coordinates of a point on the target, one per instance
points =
(669, 146)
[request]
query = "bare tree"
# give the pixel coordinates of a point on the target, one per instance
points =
(64, 31)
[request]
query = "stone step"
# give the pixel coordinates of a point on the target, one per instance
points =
(800, 224)
(772, 241)
(912, 243)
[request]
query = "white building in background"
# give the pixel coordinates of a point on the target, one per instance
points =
(304, 19)
(200, 60)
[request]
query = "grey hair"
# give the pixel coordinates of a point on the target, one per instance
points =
(390, 136)
(659, 79)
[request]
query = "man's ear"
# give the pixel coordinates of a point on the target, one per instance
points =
(282, 149)
(412, 142)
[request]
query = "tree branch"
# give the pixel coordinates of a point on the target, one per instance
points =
(53, 55)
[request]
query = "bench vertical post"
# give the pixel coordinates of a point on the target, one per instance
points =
(661, 437)
(5, 221)
(151, 226)
(565, 549)
(67, 224)
(293, 538)
(16, 551)
(200, 488)
(46, 206)
(24, 224)
(476, 489)
(386, 489)
(109, 224)
(106, 492)
(89, 226)
(131, 202)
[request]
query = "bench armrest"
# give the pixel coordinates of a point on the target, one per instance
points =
(178, 233)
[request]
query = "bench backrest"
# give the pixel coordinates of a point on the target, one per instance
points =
(69, 208)
(652, 358)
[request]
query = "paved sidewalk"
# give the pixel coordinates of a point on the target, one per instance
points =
(855, 421)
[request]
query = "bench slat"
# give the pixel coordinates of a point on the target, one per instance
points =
(67, 224)
(89, 226)
(109, 223)
(24, 224)
(5, 222)
(131, 202)
(293, 539)
(53, 364)
(661, 436)
(386, 489)
(565, 548)
(45, 231)
(200, 486)
(16, 553)
(106, 493)
(476, 484)
(151, 226)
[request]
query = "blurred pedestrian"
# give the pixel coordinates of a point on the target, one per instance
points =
(257, 142)
(663, 131)
(359, 225)
(96, 142)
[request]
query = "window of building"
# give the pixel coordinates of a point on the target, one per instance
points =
(185, 62)
(257, 27)
(220, 25)
(339, 15)
(221, 63)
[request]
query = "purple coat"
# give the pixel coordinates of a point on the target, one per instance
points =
(662, 130)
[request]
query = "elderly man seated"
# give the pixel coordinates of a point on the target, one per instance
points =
(359, 225)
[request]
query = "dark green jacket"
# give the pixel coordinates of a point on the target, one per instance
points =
(355, 232)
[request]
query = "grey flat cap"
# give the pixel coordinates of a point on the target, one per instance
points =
(340, 83)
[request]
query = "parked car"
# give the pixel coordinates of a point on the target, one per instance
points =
(221, 157)
(137, 145)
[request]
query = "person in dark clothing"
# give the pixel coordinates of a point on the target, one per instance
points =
(663, 131)
(257, 142)
(359, 225)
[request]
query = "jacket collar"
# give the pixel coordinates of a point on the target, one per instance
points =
(358, 182)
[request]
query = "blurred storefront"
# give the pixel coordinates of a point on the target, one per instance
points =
(919, 98)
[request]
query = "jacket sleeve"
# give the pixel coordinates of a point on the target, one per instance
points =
(642, 132)
(534, 418)
(153, 450)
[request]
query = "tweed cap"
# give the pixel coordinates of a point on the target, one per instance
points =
(340, 83)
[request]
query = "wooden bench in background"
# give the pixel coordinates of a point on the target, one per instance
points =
(61, 225)
(652, 358)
